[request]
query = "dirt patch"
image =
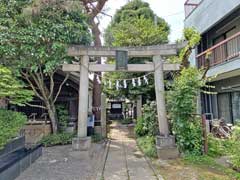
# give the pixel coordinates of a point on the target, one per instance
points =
(178, 170)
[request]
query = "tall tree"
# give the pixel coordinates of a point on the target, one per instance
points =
(33, 40)
(94, 8)
(135, 24)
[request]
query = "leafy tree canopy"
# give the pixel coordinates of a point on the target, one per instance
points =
(36, 37)
(12, 89)
(135, 24)
(136, 20)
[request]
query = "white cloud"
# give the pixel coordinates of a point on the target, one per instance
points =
(171, 10)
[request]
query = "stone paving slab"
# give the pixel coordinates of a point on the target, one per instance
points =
(125, 161)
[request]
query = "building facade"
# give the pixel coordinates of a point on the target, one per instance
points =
(218, 22)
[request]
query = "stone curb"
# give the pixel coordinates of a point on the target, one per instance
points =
(103, 160)
(158, 176)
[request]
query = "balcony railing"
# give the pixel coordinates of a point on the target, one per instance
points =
(221, 52)
(190, 5)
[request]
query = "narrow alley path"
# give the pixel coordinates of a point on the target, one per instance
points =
(124, 160)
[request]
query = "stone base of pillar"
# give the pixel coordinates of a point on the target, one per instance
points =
(81, 144)
(98, 130)
(166, 147)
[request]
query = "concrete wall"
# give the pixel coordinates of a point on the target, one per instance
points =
(227, 85)
(209, 13)
(225, 70)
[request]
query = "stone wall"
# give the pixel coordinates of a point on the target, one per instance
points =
(35, 132)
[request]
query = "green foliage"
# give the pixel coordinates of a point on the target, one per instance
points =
(203, 159)
(182, 102)
(57, 139)
(192, 37)
(147, 145)
(12, 89)
(234, 150)
(10, 125)
(31, 41)
(96, 137)
(226, 147)
(141, 15)
(63, 116)
(216, 146)
(134, 25)
(34, 36)
(127, 121)
(138, 32)
(148, 123)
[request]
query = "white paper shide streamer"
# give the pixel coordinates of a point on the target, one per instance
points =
(117, 85)
(98, 80)
(133, 82)
(110, 84)
(125, 83)
(139, 81)
(145, 79)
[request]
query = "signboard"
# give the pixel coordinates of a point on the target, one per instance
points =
(91, 120)
(116, 106)
(121, 60)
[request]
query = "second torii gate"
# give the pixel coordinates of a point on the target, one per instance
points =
(158, 66)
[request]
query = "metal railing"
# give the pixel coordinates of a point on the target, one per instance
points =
(221, 52)
(190, 6)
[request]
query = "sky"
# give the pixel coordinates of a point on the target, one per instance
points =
(171, 10)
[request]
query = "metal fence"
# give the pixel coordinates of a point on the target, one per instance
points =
(221, 52)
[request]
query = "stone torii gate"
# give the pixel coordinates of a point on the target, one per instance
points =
(158, 66)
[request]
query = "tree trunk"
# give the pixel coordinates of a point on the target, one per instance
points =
(53, 117)
(96, 86)
(93, 11)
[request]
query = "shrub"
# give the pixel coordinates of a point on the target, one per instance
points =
(63, 116)
(230, 147)
(140, 128)
(10, 124)
(96, 137)
(147, 145)
(148, 123)
(234, 150)
(57, 139)
(182, 106)
(127, 121)
(217, 147)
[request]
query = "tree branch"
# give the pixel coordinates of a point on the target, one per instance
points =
(95, 10)
(60, 88)
(51, 85)
(37, 106)
(98, 8)
(26, 77)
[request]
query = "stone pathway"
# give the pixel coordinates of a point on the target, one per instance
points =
(124, 160)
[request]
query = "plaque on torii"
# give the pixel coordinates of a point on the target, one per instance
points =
(158, 66)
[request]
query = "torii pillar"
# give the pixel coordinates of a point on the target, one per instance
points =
(82, 142)
(160, 96)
